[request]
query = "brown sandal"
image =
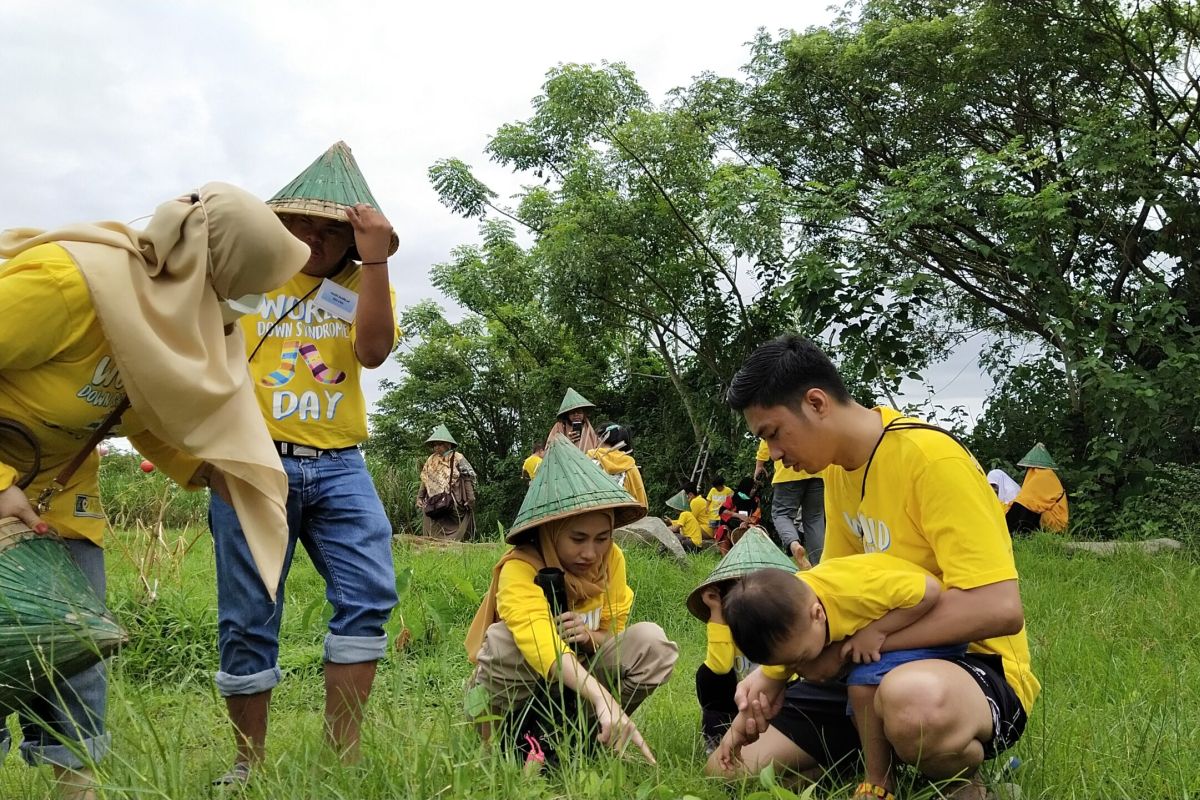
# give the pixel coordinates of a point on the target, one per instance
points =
(872, 792)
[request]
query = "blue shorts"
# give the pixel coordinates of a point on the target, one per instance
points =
(335, 513)
(872, 674)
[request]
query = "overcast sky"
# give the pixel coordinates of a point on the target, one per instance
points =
(114, 107)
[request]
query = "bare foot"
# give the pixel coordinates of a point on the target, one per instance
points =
(973, 789)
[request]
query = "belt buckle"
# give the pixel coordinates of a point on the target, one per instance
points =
(305, 452)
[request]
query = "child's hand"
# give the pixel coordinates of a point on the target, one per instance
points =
(864, 646)
(712, 598)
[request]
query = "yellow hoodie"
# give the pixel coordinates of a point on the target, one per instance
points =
(621, 466)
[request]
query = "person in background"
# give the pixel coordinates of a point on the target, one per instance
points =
(615, 456)
(1042, 501)
(686, 526)
(99, 318)
(530, 467)
(574, 422)
(717, 493)
(795, 495)
(447, 494)
(307, 346)
(1006, 488)
(740, 509)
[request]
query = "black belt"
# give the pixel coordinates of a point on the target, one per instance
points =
(304, 451)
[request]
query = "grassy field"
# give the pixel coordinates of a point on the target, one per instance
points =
(1114, 642)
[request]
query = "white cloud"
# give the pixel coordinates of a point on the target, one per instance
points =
(114, 107)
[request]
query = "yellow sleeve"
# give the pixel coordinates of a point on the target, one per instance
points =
(777, 673)
(960, 518)
(764, 452)
(523, 608)
(175, 464)
(8, 476)
(618, 601)
(34, 313)
(720, 655)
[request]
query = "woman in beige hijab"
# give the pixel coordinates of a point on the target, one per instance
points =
(94, 316)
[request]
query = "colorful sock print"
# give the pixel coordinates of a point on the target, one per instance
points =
(320, 371)
(287, 366)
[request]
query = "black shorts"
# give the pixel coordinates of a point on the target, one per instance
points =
(814, 714)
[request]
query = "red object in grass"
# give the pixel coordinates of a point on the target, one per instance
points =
(147, 466)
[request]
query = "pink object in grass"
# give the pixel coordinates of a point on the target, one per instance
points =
(147, 466)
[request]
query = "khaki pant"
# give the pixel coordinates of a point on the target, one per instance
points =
(632, 665)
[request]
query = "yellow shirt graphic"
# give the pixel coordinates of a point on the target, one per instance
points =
(722, 655)
(59, 379)
(305, 373)
(716, 498)
(928, 502)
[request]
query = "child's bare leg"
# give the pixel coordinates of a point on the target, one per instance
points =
(877, 751)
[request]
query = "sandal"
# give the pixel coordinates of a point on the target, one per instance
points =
(872, 791)
(236, 778)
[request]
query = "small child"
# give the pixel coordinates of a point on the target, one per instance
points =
(717, 677)
(686, 527)
(742, 508)
(716, 498)
(858, 600)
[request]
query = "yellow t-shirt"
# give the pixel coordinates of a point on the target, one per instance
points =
(522, 606)
(530, 467)
(722, 655)
(716, 498)
(857, 590)
(306, 374)
(929, 503)
(1043, 493)
(59, 379)
(782, 474)
(699, 508)
(690, 527)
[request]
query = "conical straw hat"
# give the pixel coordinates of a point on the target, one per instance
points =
(678, 501)
(569, 483)
(441, 434)
(573, 400)
(754, 551)
(1039, 456)
(326, 188)
(51, 622)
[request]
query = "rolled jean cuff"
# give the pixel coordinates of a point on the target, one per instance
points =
(354, 649)
(68, 756)
(229, 685)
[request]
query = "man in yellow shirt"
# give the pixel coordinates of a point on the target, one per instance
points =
(307, 344)
(795, 494)
(530, 467)
(901, 487)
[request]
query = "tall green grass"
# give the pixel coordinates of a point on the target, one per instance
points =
(1114, 642)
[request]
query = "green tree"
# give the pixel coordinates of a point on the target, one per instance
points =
(1027, 169)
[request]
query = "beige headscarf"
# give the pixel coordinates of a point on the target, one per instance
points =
(156, 294)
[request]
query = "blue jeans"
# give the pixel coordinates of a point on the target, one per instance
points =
(333, 510)
(872, 674)
(804, 501)
(66, 727)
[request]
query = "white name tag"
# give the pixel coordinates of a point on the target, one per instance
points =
(336, 300)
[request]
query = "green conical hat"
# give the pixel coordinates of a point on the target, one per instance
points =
(329, 185)
(573, 400)
(1039, 456)
(51, 622)
(441, 434)
(678, 501)
(754, 551)
(569, 483)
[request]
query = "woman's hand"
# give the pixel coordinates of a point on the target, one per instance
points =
(14, 503)
(617, 729)
(573, 628)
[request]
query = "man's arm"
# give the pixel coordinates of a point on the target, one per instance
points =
(374, 321)
(964, 615)
(865, 645)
